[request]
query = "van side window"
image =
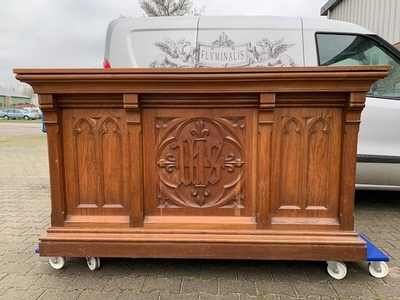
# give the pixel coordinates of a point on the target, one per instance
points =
(356, 50)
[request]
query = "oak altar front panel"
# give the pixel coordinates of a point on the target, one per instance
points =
(252, 163)
(199, 162)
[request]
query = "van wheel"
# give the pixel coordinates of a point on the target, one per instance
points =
(26, 118)
(6, 117)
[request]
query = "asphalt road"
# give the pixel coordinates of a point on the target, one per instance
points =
(25, 215)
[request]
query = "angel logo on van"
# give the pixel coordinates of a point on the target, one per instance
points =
(180, 54)
(223, 52)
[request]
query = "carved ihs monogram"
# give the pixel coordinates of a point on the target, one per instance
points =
(200, 163)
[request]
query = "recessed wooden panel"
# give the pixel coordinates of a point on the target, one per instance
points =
(306, 164)
(95, 162)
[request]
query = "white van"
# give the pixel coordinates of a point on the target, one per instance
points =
(252, 41)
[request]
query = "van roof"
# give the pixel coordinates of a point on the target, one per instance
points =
(309, 23)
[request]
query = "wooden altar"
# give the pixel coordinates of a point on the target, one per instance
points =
(255, 163)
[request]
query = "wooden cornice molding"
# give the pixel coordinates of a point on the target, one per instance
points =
(210, 80)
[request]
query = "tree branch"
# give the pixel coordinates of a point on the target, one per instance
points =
(156, 8)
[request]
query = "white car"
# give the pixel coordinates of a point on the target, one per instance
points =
(248, 41)
(35, 110)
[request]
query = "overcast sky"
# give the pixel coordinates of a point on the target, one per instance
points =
(71, 33)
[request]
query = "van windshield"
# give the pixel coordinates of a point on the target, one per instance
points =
(356, 50)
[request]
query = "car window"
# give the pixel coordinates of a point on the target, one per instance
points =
(356, 50)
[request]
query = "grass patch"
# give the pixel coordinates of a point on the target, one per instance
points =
(24, 140)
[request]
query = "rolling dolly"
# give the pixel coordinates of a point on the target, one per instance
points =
(58, 262)
(375, 258)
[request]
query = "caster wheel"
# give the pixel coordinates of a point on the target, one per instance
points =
(93, 263)
(57, 262)
(378, 269)
(337, 270)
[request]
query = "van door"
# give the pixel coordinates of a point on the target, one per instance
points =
(249, 42)
(378, 153)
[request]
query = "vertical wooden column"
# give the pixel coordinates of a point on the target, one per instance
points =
(52, 119)
(352, 118)
(133, 119)
(265, 122)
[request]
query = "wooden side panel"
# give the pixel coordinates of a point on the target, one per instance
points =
(306, 167)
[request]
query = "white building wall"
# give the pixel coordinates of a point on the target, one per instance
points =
(380, 16)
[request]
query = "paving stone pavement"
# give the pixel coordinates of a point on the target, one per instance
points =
(24, 216)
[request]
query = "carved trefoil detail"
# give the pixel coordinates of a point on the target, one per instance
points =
(200, 162)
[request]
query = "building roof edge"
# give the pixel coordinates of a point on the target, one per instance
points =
(7, 92)
(328, 6)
